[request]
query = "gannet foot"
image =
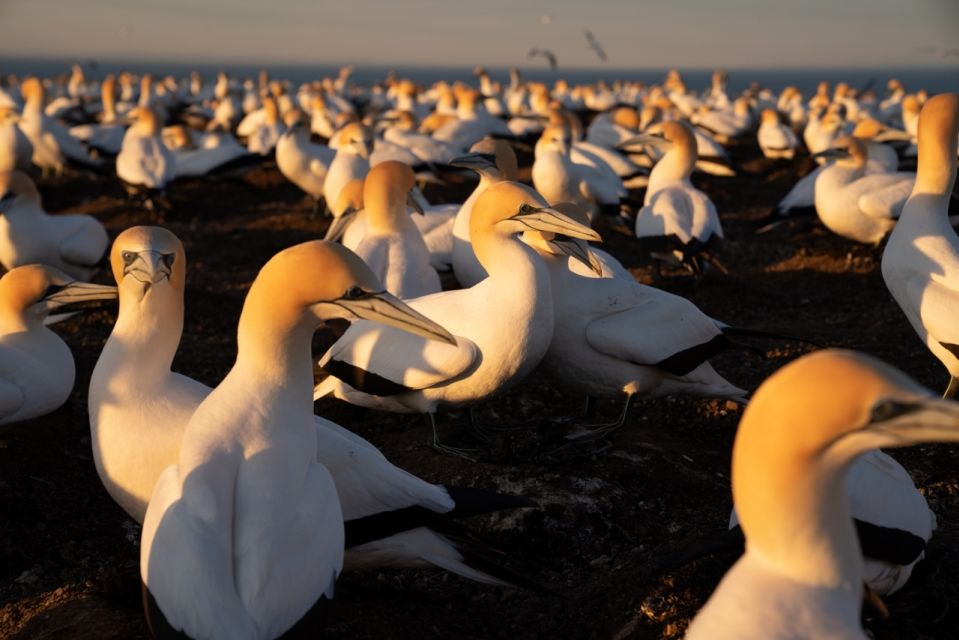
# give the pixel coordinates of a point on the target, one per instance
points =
(436, 444)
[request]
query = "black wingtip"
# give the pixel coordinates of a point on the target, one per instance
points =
(471, 501)
(512, 577)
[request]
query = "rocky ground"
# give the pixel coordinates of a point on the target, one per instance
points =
(613, 515)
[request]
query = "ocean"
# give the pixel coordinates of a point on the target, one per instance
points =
(933, 79)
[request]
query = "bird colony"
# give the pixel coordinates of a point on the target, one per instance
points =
(444, 261)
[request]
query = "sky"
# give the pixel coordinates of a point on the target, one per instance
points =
(633, 33)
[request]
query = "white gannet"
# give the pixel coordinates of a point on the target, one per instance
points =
(614, 336)
(144, 162)
(473, 122)
(392, 245)
(244, 537)
(354, 144)
(725, 124)
(560, 178)
(72, 243)
(851, 203)
(494, 161)
(677, 221)
(53, 146)
(16, 150)
(36, 366)
(776, 139)
(893, 520)
(802, 573)
(107, 135)
(302, 162)
(139, 409)
(385, 369)
(403, 132)
(265, 134)
(208, 153)
(920, 264)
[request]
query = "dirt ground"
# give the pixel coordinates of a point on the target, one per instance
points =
(612, 515)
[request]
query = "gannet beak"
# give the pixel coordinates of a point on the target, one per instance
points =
(928, 420)
(893, 135)
(575, 248)
(385, 308)
(367, 148)
(148, 267)
(644, 140)
(552, 221)
(414, 204)
(339, 225)
(832, 153)
(73, 293)
(475, 161)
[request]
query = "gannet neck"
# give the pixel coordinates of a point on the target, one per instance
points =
(108, 99)
(147, 333)
(502, 255)
(385, 193)
(938, 130)
(273, 342)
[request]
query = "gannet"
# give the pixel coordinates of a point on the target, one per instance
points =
(16, 150)
(144, 161)
(36, 366)
(72, 243)
(494, 161)
(387, 370)
(473, 122)
(354, 144)
(301, 161)
(244, 537)
(615, 336)
(802, 573)
(107, 135)
(559, 178)
(392, 245)
(726, 124)
(920, 264)
(265, 134)
(53, 145)
(676, 216)
(776, 139)
(139, 409)
(403, 132)
(853, 204)
(345, 210)
(894, 520)
(210, 153)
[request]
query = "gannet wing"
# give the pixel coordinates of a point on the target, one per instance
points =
(11, 397)
(85, 243)
(938, 308)
(366, 482)
(885, 194)
(669, 212)
(663, 330)
(384, 361)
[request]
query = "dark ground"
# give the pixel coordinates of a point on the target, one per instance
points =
(610, 513)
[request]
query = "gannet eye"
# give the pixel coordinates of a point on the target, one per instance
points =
(128, 257)
(168, 259)
(525, 209)
(52, 289)
(889, 409)
(354, 293)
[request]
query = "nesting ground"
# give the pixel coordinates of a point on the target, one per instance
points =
(613, 514)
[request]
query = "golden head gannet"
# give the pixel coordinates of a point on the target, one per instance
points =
(36, 366)
(597, 348)
(354, 144)
(494, 161)
(473, 122)
(72, 243)
(392, 245)
(53, 146)
(853, 204)
(403, 133)
(920, 263)
(802, 573)
(612, 127)
(215, 152)
(389, 370)
(560, 177)
(144, 161)
(16, 150)
(711, 157)
(303, 162)
(776, 139)
(107, 135)
(726, 124)
(264, 135)
(879, 157)
(244, 537)
(139, 409)
(676, 218)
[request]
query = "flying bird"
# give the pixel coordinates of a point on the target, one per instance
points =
(594, 44)
(546, 53)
